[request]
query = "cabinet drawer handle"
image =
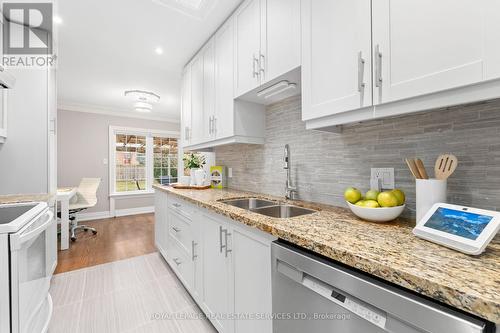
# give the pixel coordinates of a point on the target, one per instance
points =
(378, 67)
(177, 261)
(226, 245)
(193, 245)
(176, 205)
(222, 246)
(176, 229)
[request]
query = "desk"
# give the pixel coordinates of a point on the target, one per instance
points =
(64, 195)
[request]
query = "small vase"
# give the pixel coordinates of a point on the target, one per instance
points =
(192, 173)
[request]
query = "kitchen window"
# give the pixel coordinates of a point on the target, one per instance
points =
(140, 158)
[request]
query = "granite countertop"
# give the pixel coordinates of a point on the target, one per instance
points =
(387, 250)
(19, 198)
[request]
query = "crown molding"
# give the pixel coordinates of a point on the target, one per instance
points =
(107, 111)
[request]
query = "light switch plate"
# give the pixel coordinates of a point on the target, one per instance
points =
(386, 175)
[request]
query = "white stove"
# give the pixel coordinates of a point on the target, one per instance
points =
(28, 257)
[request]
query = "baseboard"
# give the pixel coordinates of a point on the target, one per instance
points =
(134, 211)
(118, 212)
(93, 216)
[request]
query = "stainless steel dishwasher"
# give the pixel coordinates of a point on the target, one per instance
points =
(315, 295)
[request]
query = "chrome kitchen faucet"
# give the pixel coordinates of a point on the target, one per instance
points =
(290, 190)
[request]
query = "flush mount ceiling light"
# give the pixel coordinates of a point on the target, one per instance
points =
(143, 99)
(198, 9)
(143, 107)
(159, 50)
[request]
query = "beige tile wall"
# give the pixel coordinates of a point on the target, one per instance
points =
(326, 163)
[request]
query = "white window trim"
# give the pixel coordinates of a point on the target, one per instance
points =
(149, 134)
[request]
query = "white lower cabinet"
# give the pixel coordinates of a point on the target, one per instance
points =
(252, 280)
(217, 256)
(225, 265)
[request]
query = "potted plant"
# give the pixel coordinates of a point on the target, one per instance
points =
(193, 162)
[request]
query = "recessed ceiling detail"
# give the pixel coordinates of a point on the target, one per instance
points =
(197, 9)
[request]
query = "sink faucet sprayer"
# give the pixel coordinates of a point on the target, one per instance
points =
(290, 190)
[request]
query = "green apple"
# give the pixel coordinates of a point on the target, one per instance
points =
(352, 195)
(360, 203)
(372, 195)
(400, 195)
(371, 204)
(387, 199)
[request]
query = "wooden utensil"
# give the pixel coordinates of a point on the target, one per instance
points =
(413, 168)
(446, 164)
(421, 168)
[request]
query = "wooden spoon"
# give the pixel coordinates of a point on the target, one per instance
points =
(413, 168)
(421, 168)
(446, 164)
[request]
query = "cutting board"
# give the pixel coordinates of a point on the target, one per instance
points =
(189, 187)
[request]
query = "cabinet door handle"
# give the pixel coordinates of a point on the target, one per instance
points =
(193, 255)
(210, 125)
(378, 67)
(215, 126)
(361, 72)
(176, 229)
(177, 261)
(176, 205)
(255, 63)
(226, 234)
(262, 63)
(222, 246)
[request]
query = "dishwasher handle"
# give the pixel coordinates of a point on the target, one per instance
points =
(364, 310)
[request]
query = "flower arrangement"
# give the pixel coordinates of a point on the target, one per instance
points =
(194, 161)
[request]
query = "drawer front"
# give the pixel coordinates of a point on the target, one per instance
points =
(180, 206)
(180, 231)
(181, 264)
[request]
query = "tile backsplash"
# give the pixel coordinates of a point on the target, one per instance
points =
(324, 164)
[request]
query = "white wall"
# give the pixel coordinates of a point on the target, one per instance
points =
(82, 142)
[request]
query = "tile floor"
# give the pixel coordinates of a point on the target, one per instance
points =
(124, 296)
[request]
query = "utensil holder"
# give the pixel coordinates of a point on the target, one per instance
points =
(429, 192)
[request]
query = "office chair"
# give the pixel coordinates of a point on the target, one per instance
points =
(86, 197)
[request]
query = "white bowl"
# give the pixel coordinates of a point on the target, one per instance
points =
(383, 214)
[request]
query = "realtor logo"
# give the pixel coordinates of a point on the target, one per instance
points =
(27, 28)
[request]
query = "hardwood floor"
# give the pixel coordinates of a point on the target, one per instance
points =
(117, 238)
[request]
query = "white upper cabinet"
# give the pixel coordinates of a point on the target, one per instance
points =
(208, 54)
(336, 56)
(186, 105)
(365, 59)
(247, 40)
(280, 50)
(267, 42)
(426, 46)
(224, 81)
(197, 119)
(492, 46)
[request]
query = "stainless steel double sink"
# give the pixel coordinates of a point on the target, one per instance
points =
(268, 207)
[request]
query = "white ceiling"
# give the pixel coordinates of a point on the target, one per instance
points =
(108, 46)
